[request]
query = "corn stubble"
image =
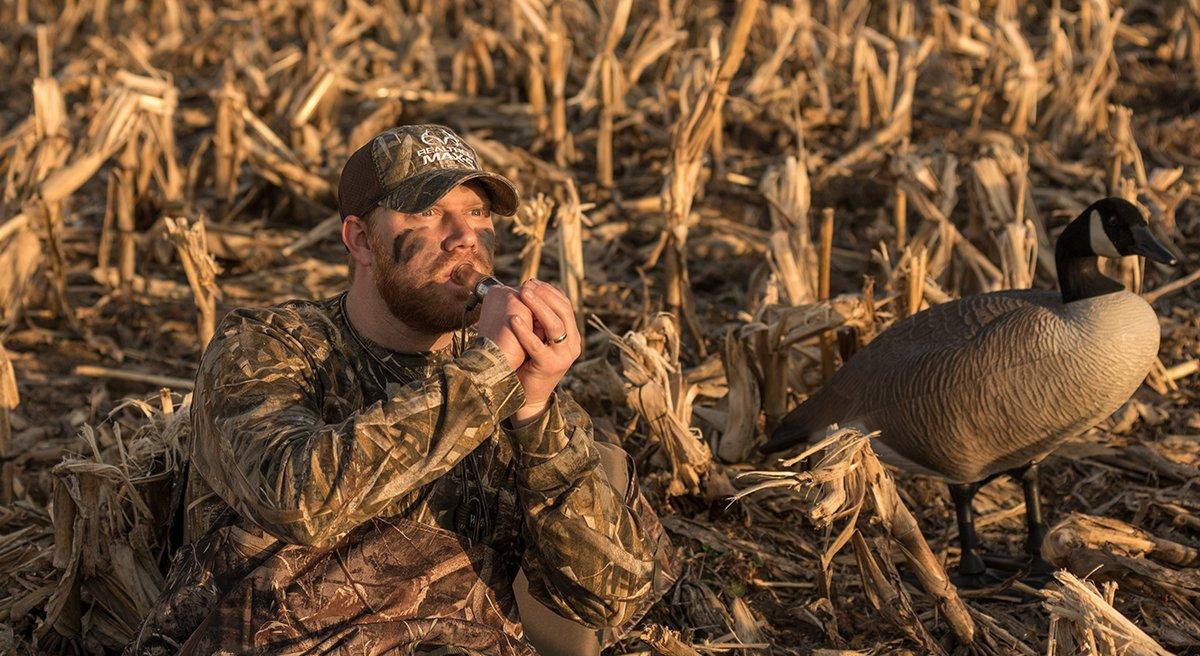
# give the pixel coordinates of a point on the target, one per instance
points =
(735, 197)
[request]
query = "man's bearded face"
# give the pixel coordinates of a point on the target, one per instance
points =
(414, 254)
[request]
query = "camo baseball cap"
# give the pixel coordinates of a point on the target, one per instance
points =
(409, 168)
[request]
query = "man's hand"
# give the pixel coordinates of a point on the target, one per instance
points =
(500, 306)
(546, 361)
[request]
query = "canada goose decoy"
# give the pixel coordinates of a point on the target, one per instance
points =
(989, 384)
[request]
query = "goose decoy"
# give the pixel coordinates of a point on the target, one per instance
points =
(989, 384)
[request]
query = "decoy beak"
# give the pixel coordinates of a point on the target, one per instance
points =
(1147, 246)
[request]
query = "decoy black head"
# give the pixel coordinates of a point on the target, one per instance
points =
(1112, 227)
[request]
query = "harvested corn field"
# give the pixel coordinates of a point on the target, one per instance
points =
(736, 198)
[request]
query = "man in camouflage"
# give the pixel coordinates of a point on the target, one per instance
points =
(385, 472)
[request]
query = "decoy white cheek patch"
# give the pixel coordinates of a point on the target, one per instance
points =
(1101, 244)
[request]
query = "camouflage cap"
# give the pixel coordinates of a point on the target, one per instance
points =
(409, 168)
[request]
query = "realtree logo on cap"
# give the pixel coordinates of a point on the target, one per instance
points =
(409, 167)
(443, 145)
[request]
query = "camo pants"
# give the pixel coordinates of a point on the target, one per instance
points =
(390, 586)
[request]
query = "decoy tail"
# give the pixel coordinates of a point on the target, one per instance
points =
(789, 433)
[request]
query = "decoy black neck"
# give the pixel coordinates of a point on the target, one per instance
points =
(1078, 267)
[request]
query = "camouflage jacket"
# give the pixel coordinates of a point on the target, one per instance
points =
(346, 497)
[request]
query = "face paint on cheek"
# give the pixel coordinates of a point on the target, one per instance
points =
(487, 240)
(406, 246)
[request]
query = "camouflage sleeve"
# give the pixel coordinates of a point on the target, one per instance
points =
(588, 556)
(262, 443)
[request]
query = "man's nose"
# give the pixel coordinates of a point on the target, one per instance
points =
(459, 232)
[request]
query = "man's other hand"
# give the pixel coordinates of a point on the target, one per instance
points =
(549, 354)
(501, 305)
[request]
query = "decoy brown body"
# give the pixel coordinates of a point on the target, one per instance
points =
(991, 383)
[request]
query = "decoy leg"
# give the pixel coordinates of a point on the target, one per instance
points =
(972, 572)
(1039, 569)
(1028, 476)
(1033, 571)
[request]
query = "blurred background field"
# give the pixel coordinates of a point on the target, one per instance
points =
(736, 196)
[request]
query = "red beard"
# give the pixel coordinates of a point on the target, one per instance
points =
(422, 296)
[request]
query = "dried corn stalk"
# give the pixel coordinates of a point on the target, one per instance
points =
(135, 120)
(844, 475)
(558, 55)
(875, 89)
(691, 138)
(1124, 152)
(570, 251)
(899, 124)
(995, 202)
(1018, 254)
(612, 90)
(793, 258)
(666, 642)
(786, 23)
(530, 222)
(201, 270)
(272, 159)
(1111, 550)
(654, 39)
(658, 392)
(744, 402)
(228, 152)
(746, 626)
(472, 67)
(1022, 81)
(1082, 621)
(1004, 206)
(111, 515)
(766, 357)
(20, 256)
(1079, 531)
(886, 595)
(9, 399)
(1084, 70)
(915, 264)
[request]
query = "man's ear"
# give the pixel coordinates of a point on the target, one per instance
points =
(355, 237)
